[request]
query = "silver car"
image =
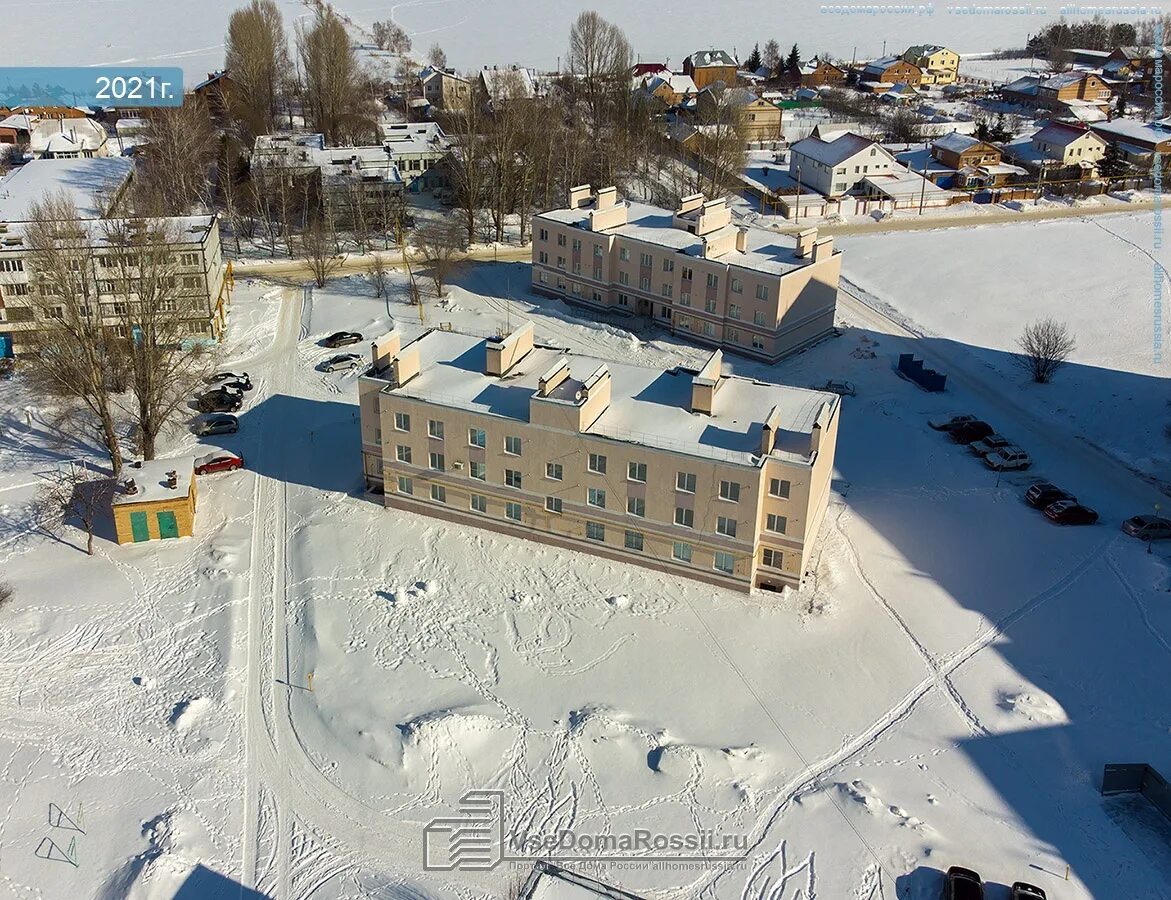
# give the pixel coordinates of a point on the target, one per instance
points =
(343, 362)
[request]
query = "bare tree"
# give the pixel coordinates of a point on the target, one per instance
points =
(1045, 346)
(770, 56)
(599, 58)
(391, 36)
(319, 247)
(468, 161)
(74, 494)
(160, 314)
(379, 274)
(719, 147)
(256, 55)
(441, 244)
(436, 57)
(904, 125)
(73, 354)
(335, 102)
(178, 155)
(229, 169)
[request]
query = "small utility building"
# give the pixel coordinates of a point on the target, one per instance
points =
(155, 500)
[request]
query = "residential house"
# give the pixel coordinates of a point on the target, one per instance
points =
(641, 73)
(94, 185)
(216, 93)
(691, 270)
(817, 73)
(937, 65)
(673, 90)
(708, 67)
(16, 129)
(1023, 90)
(760, 120)
(444, 89)
(68, 139)
(1058, 90)
(155, 500)
(960, 150)
(419, 150)
(692, 473)
(1059, 150)
(1136, 140)
(511, 83)
(838, 163)
(878, 75)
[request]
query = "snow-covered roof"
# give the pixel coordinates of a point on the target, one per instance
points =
(702, 58)
(921, 50)
(832, 152)
(67, 136)
(647, 406)
(901, 183)
(89, 182)
(1146, 134)
(955, 142)
(180, 230)
(878, 66)
(679, 84)
(151, 479)
(511, 82)
(1059, 134)
(1026, 84)
(19, 121)
(1065, 79)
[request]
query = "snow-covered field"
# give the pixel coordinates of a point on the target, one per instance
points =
(286, 699)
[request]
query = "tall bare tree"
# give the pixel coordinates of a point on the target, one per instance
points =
(468, 164)
(441, 244)
(319, 248)
(720, 149)
(391, 36)
(1045, 346)
(74, 493)
(436, 57)
(162, 307)
(256, 55)
(178, 155)
(334, 99)
(599, 58)
(73, 356)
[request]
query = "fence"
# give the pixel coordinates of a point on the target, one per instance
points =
(1138, 778)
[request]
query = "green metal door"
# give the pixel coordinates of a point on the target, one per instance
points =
(168, 527)
(138, 527)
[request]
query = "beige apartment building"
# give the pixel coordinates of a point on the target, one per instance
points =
(692, 270)
(694, 473)
(203, 282)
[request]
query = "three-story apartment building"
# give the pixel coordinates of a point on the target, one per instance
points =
(695, 473)
(692, 270)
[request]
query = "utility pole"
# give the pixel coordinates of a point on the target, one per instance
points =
(797, 205)
(923, 189)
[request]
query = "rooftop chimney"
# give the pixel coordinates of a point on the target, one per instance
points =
(805, 241)
(742, 240)
(579, 196)
(503, 353)
(705, 384)
(129, 487)
(607, 197)
(172, 479)
(823, 248)
(554, 376)
(384, 350)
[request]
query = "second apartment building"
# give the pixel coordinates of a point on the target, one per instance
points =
(691, 270)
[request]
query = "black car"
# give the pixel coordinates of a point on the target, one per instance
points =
(231, 380)
(228, 376)
(341, 339)
(218, 424)
(963, 884)
(951, 422)
(237, 386)
(215, 402)
(1044, 493)
(1070, 512)
(1023, 891)
(970, 431)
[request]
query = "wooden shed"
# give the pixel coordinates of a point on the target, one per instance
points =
(155, 500)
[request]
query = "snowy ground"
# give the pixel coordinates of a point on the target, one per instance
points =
(939, 694)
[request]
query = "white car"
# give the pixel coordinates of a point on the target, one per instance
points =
(990, 444)
(1008, 458)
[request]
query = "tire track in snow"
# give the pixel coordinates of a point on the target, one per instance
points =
(1128, 588)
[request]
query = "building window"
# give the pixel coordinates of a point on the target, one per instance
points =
(733, 311)
(597, 277)
(730, 490)
(543, 257)
(554, 471)
(479, 503)
(598, 251)
(667, 289)
(595, 531)
(633, 541)
(405, 486)
(597, 464)
(757, 344)
(709, 305)
(685, 481)
(725, 562)
(553, 504)
(681, 551)
(737, 287)
(644, 283)
(773, 559)
(435, 429)
(684, 517)
(512, 511)
(713, 280)
(726, 526)
(479, 471)
(544, 234)
(624, 278)
(668, 265)
(576, 245)
(732, 336)
(761, 292)
(512, 445)
(758, 317)
(438, 493)
(560, 240)
(512, 478)
(402, 422)
(687, 273)
(709, 330)
(477, 437)
(685, 298)
(596, 497)
(623, 300)
(560, 265)
(636, 471)
(644, 259)
(436, 462)
(779, 488)
(624, 254)
(402, 453)
(776, 523)
(636, 506)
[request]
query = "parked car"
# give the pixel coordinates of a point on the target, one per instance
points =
(220, 461)
(1008, 458)
(1044, 493)
(1148, 528)
(229, 376)
(951, 422)
(962, 884)
(989, 444)
(1023, 891)
(219, 402)
(967, 432)
(341, 339)
(217, 424)
(1070, 512)
(841, 388)
(343, 362)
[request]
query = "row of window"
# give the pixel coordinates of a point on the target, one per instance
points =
(681, 551)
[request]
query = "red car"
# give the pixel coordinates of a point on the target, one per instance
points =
(222, 461)
(1070, 512)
